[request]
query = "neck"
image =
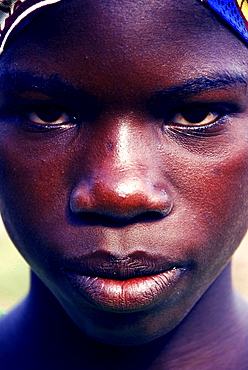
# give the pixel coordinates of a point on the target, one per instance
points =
(210, 331)
(214, 331)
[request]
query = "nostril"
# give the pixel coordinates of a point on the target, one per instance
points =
(148, 216)
(94, 219)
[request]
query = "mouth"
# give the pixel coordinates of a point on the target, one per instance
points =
(126, 284)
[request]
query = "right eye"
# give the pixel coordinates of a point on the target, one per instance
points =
(48, 115)
(195, 116)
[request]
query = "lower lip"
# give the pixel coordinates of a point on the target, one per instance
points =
(132, 294)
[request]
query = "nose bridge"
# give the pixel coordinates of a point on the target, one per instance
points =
(123, 140)
(128, 140)
(123, 180)
(124, 155)
(120, 147)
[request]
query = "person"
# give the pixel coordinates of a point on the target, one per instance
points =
(124, 168)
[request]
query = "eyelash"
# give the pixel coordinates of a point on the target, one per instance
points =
(215, 126)
(221, 112)
(24, 117)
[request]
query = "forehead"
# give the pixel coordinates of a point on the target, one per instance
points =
(105, 39)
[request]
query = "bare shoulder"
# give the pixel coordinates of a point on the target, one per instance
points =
(240, 332)
(242, 309)
(14, 346)
(7, 342)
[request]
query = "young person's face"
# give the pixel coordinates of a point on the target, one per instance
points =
(124, 148)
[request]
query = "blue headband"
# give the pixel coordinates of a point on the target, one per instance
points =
(234, 12)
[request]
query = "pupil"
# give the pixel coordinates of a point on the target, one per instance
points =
(48, 114)
(195, 114)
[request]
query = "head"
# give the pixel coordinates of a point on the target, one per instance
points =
(124, 158)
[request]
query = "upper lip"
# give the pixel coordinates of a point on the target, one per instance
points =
(106, 265)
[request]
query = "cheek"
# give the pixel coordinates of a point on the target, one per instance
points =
(213, 196)
(222, 190)
(33, 187)
(219, 189)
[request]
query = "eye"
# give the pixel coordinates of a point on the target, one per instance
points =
(194, 116)
(48, 115)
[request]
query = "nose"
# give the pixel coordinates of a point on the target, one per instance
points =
(124, 184)
(121, 201)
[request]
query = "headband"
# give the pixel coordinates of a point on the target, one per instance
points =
(234, 12)
(16, 14)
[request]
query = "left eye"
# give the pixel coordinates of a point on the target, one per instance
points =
(49, 115)
(194, 116)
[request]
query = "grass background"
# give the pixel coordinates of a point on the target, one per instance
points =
(14, 272)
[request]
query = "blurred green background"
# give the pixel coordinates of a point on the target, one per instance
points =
(14, 272)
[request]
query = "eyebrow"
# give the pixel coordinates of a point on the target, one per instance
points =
(23, 81)
(53, 85)
(177, 95)
(204, 83)
(57, 90)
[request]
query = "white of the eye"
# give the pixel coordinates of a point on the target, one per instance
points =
(34, 118)
(180, 120)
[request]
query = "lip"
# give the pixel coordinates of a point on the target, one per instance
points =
(125, 284)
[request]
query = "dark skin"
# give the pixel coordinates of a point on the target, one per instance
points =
(124, 158)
